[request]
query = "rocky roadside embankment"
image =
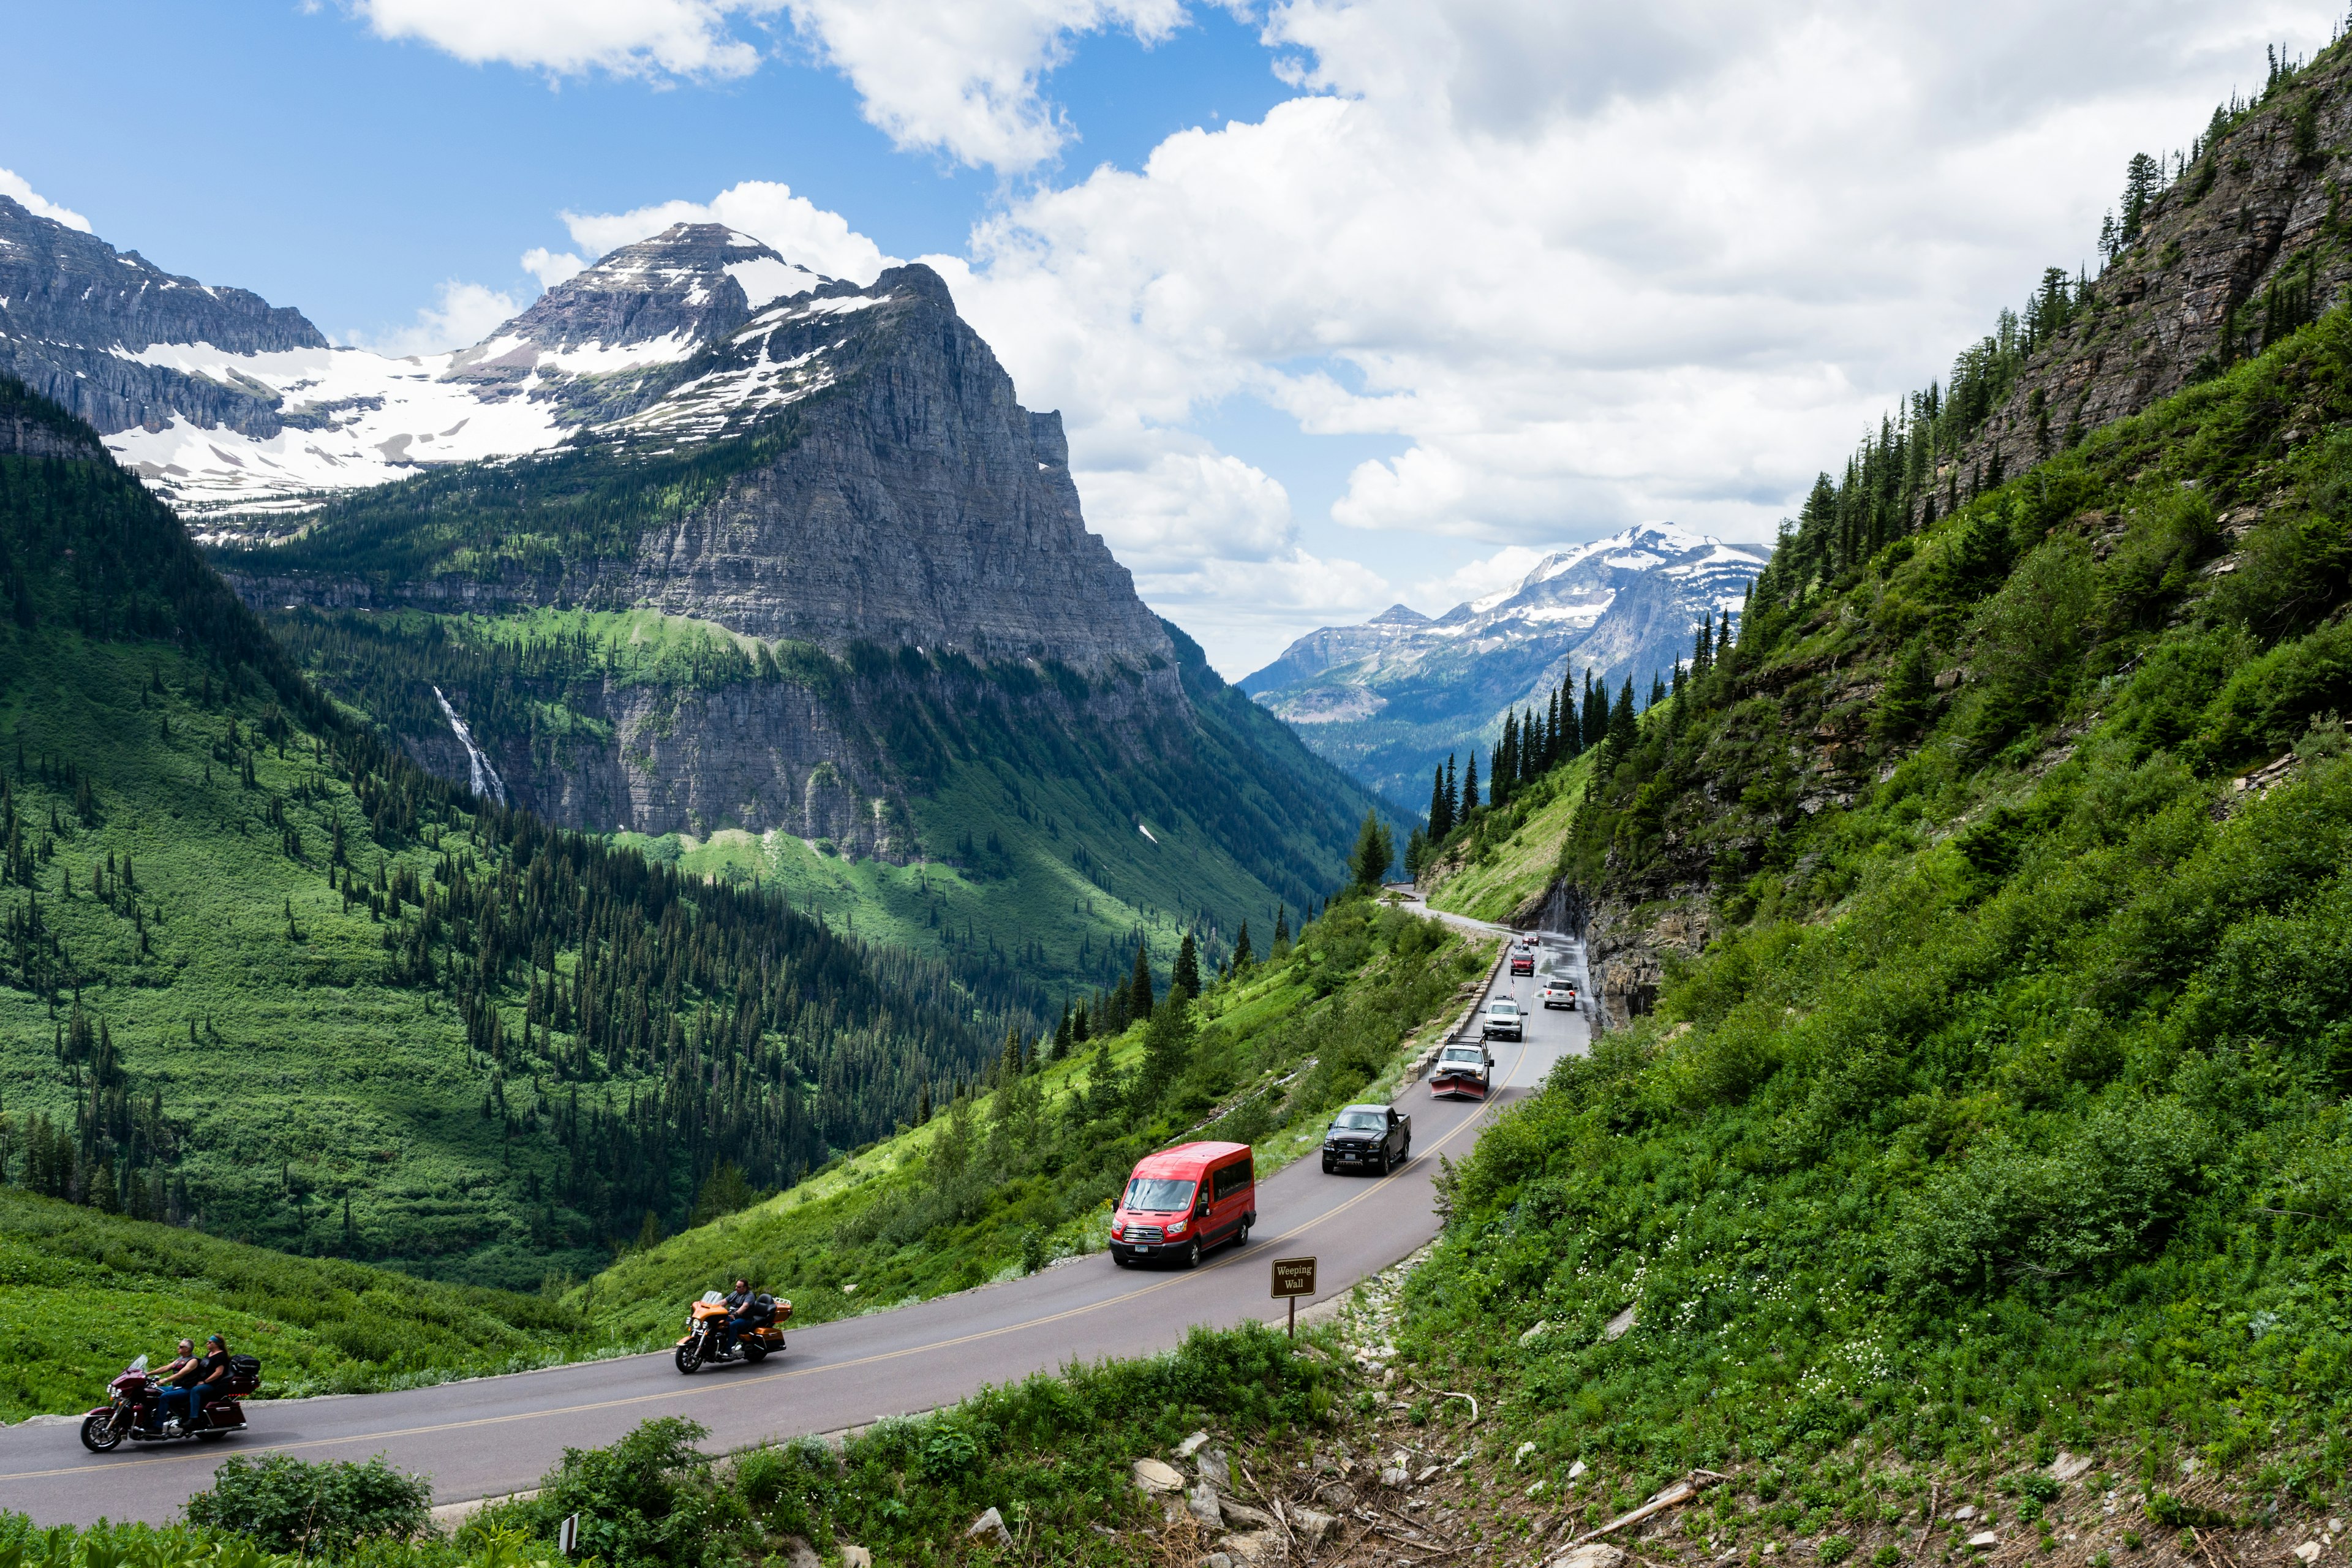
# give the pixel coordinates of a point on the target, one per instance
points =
(1410, 1472)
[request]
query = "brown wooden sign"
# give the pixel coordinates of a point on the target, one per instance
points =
(1293, 1277)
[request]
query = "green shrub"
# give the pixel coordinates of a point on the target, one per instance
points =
(648, 1499)
(290, 1505)
(1834, 1549)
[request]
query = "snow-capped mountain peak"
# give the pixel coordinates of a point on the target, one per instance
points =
(237, 411)
(1388, 699)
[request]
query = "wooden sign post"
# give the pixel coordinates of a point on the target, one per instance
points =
(1293, 1278)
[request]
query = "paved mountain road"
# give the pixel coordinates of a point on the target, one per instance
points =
(491, 1436)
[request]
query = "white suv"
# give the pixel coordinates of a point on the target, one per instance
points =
(1502, 1021)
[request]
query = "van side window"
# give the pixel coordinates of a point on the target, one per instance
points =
(1230, 1180)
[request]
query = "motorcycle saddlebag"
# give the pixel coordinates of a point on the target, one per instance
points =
(244, 1375)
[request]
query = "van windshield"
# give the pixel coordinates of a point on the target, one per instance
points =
(1160, 1194)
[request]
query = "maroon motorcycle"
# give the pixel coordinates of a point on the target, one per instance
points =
(134, 1408)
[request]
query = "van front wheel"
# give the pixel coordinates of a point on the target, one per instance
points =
(1193, 1254)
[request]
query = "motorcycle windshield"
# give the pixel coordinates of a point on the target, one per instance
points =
(139, 1366)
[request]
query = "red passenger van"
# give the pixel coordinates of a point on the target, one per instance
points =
(1184, 1201)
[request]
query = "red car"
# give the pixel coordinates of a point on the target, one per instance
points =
(1523, 964)
(1183, 1201)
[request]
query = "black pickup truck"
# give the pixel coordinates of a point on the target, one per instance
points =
(1367, 1138)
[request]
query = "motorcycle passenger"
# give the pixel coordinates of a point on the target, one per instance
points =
(211, 1367)
(739, 1314)
(178, 1377)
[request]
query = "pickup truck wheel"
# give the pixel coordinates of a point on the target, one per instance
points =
(1385, 1162)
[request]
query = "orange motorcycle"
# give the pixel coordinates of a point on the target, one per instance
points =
(705, 1343)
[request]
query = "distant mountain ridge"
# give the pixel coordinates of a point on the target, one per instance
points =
(1390, 698)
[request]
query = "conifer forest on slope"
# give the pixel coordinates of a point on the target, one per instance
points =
(265, 975)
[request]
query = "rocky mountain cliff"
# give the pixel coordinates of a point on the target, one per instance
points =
(1391, 698)
(2247, 243)
(77, 317)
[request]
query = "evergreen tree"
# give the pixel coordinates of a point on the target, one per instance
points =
(1910, 689)
(2143, 178)
(1167, 1051)
(1454, 810)
(1281, 925)
(1506, 759)
(1571, 726)
(1723, 627)
(1441, 809)
(1470, 784)
(1657, 690)
(1187, 977)
(1138, 984)
(1596, 711)
(1624, 730)
(1374, 850)
(1243, 956)
(1551, 758)
(1416, 855)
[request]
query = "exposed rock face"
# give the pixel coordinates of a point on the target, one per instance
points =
(778, 756)
(1391, 698)
(924, 508)
(921, 507)
(2261, 212)
(70, 301)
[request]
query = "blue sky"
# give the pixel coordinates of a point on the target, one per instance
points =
(1343, 300)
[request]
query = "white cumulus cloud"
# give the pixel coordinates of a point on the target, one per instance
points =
(551, 267)
(794, 226)
(13, 184)
(966, 80)
(462, 314)
(572, 37)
